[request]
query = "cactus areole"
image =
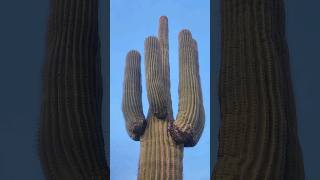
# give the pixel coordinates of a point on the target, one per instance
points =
(162, 138)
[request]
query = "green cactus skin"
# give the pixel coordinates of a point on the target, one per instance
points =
(258, 135)
(70, 138)
(162, 139)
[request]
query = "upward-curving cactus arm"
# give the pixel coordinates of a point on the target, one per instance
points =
(154, 78)
(189, 124)
(131, 101)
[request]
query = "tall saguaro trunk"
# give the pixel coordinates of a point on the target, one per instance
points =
(162, 139)
(70, 139)
(258, 136)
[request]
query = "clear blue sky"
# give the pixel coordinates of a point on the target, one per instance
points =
(131, 22)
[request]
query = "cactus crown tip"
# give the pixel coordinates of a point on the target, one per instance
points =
(185, 34)
(134, 53)
(162, 18)
(151, 39)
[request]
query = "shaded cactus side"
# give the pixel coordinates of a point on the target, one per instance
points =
(258, 135)
(161, 137)
(70, 138)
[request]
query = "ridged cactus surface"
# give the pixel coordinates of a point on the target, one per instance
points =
(258, 135)
(162, 139)
(70, 138)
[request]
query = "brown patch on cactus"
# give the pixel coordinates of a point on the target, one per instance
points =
(137, 129)
(181, 137)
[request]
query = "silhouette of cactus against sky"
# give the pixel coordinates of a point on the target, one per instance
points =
(258, 135)
(162, 139)
(71, 144)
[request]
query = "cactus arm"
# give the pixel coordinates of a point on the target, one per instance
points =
(132, 100)
(189, 123)
(154, 78)
(69, 142)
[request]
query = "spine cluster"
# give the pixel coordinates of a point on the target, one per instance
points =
(258, 135)
(70, 138)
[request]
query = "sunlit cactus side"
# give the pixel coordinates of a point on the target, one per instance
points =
(71, 144)
(162, 138)
(258, 135)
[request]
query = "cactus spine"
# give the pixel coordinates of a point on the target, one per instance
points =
(70, 138)
(258, 135)
(162, 138)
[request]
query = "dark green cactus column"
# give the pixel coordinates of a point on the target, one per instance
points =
(70, 138)
(161, 138)
(258, 135)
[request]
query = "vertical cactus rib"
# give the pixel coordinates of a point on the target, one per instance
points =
(189, 124)
(71, 143)
(154, 78)
(258, 135)
(132, 100)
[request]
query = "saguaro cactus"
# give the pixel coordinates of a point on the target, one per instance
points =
(70, 138)
(162, 138)
(258, 135)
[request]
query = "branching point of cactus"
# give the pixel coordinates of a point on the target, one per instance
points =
(181, 137)
(136, 129)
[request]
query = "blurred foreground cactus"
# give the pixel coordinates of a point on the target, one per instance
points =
(71, 145)
(162, 138)
(258, 138)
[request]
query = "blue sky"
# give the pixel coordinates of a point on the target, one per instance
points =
(131, 22)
